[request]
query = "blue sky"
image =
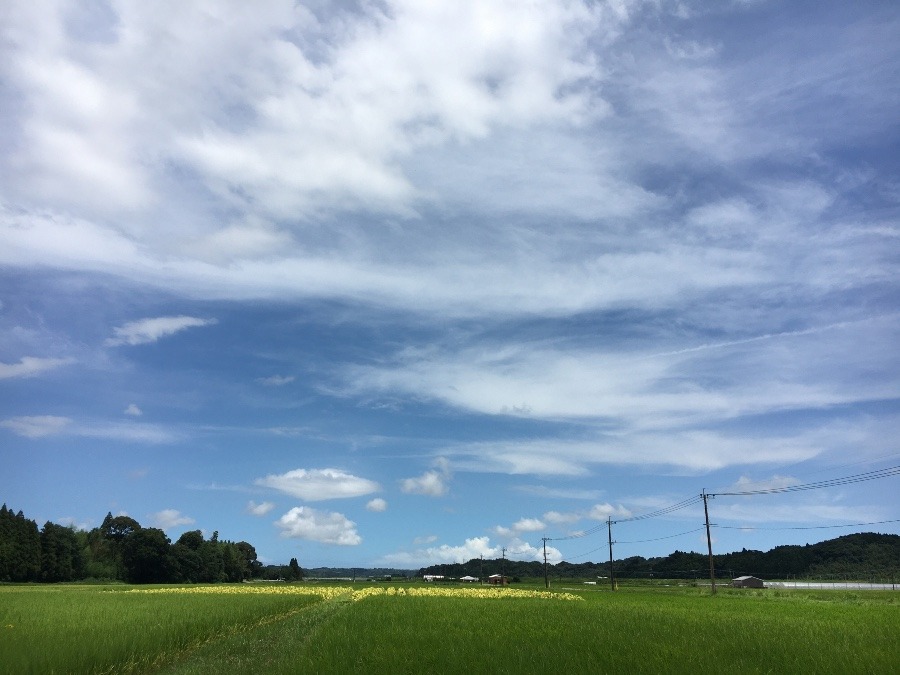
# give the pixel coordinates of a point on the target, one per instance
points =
(398, 283)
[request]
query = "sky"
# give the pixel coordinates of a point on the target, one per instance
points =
(396, 283)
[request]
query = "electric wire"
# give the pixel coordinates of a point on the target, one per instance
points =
(671, 536)
(810, 527)
(845, 480)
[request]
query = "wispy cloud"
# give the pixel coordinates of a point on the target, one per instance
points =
(31, 366)
(319, 484)
(133, 410)
(276, 380)
(146, 331)
(39, 426)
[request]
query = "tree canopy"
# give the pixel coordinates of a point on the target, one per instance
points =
(120, 549)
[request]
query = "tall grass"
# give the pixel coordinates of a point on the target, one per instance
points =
(89, 629)
(418, 629)
(625, 632)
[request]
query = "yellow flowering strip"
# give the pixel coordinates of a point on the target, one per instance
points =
(473, 593)
(333, 592)
(324, 592)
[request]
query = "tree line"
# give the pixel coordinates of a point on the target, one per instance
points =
(120, 549)
(860, 556)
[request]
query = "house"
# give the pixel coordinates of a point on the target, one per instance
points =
(498, 580)
(468, 579)
(747, 582)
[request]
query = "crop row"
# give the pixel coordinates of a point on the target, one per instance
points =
(334, 592)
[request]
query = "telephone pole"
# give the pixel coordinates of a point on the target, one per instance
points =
(712, 567)
(612, 573)
(546, 577)
(503, 567)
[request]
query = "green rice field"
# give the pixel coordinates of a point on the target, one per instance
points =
(416, 628)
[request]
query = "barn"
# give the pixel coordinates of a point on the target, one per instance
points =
(498, 580)
(747, 582)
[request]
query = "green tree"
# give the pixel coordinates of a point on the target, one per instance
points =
(252, 566)
(188, 563)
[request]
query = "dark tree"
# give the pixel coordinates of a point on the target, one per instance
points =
(61, 558)
(192, 539)
(119, 527)
(294, 572)
(20, 547)
(146, 556)
(188, 563)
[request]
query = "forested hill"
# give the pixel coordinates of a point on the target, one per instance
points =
(859, 556)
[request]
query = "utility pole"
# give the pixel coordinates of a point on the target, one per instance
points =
(503, 567)
(546, 577)
(712, 567)
(612, 573)
(481, 570)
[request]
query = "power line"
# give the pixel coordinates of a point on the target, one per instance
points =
(811, 527)
(671, 536)
(690, 501)
(642, 541)
(845, 480)
(661, 512)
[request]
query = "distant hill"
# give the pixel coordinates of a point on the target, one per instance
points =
(858, 556)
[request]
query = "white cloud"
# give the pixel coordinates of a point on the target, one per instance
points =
(169, 518)
(133, 410)
(430, 483)
(303, 522)
(472, 548)
(260, 509)
(69, 521)
(276, 380)
(744, 483)
(606, 511)
(557, 518)
(31, 366)
(520, 526)
(146, 331)
(319, 484)
(37, 426)
(377, 505)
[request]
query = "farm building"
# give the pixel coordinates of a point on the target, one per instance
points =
(468, 579)
(498, 580)
(747, 582)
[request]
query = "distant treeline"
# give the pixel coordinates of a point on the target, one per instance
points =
(120, 549)
(858, 556)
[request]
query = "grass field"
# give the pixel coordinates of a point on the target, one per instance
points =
(412, 628)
